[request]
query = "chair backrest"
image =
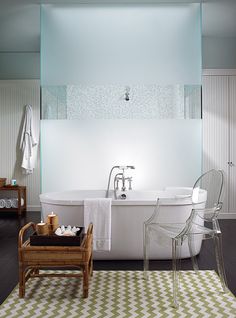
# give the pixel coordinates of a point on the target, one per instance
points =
(207, 197)
(209, 188)
(207, 201)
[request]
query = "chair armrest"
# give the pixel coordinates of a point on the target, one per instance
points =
(207, 215)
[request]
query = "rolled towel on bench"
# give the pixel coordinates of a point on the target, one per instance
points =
(8, 203)
(2, 203)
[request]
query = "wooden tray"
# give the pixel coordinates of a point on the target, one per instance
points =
(56, 240)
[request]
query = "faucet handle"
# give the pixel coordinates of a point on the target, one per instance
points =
(130, 181)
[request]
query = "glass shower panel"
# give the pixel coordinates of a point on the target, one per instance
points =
(124, 44)
(192, 101)
(91, 54)
(78, 154)
(54, 102)
(119, 101)
(120, 84)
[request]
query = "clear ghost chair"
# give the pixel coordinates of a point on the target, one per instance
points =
(207, 202)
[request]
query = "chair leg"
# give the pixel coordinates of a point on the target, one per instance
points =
(146, 243)
(85, 281)
(175, 270)
(220, 261)
(191, 246)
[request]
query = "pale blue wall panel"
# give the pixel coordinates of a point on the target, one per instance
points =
(19, 65)
(219, 52)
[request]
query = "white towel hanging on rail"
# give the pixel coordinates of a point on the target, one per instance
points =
(28, 141)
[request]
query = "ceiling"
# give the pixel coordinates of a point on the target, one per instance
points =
(20, 20)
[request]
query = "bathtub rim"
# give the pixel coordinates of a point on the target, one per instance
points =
(46, 199)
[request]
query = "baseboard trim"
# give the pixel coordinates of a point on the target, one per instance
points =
(227, 216)
(34, 208)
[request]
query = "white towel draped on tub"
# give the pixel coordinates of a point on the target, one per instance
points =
(28, 141)
(98, 211)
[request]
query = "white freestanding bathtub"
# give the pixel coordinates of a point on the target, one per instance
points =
(127, 218)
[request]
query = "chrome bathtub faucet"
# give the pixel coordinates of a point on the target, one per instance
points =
(119, 177)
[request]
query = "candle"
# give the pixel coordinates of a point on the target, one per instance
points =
(52, 221)
(52, 218)
(42, 228)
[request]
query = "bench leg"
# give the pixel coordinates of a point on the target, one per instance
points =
(91, 267)
(36, 271)
(21, 281)
(85, 281)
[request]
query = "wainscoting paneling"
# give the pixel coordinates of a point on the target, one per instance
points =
(219, 130)
(216, 127)
(232, 147)
(14, 95)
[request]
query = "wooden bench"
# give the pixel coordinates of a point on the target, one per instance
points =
(34, 258)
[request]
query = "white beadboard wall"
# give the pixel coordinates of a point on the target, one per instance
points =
(232, 146)
(219, 130)
(14, 95)
(215, 126)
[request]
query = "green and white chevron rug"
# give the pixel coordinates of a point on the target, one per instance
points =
(121, 294)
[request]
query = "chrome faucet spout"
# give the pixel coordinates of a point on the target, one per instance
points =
(109, 180)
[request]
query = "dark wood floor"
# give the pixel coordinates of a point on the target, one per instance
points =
(11, 223)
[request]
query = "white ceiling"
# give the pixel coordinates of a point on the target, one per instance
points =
(20, 20)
